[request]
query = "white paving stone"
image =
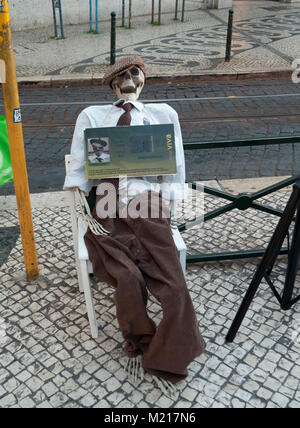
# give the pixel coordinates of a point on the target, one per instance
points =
(50, 359)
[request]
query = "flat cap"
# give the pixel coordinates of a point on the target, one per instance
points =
(122, 65)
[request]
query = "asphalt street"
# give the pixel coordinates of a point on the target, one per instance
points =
(208, 111)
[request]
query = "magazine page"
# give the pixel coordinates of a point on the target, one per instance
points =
(130, 150)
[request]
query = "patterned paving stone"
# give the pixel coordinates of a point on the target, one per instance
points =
(265, 37)
(48, 358)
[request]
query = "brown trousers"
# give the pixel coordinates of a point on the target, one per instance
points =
(139, 256)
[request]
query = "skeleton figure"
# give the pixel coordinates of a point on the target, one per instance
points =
(138, 256)
(129, 84)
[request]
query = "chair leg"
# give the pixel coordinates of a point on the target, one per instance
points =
(71, 196)
(80, 276)
(89, 299)
(182, 256)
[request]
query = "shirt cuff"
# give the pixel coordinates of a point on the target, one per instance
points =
(82, 184)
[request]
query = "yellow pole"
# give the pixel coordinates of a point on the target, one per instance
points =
(16, 143)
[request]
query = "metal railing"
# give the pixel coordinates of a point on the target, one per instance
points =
(242, 201)
(56, 4)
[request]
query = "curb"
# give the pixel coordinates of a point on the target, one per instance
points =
(96, 80)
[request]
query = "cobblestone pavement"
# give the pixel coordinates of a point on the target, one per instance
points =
(208, 111)
(48, 358)
(47, 355)
(265, 38)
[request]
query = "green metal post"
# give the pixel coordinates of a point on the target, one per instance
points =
(229, 35)
(183, 7)
(241, 201)
(129, 17)
(91, 16)
(54, 19)
(123, 13)
(159, 12)
(176, 10)
(61, 21)
(56, 4)
(152, 17)
(96, 16)
(113, 39)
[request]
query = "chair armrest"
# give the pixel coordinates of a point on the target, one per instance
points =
(82, 250)
(178, 240)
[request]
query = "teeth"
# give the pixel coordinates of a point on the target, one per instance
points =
(128, 90)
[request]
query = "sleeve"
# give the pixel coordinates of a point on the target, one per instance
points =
(76, 174)
(173, 187)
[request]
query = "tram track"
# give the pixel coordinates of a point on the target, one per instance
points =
(194, 120)
(249, 106)
(210, 111)
(163, 100)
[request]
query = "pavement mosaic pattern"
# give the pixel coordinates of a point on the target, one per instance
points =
(265, 38)
(48, 358)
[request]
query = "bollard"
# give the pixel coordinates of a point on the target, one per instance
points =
(182, 13)
(56, 4)
(123, 13)
(229, 35)
(113, 39)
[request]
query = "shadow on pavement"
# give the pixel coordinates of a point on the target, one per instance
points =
(8, 239)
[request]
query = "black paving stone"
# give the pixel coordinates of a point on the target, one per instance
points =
(8, 239)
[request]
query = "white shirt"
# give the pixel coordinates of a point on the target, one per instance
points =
(104, 157)
(171, 186)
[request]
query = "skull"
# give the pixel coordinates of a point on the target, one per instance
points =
(129, 84)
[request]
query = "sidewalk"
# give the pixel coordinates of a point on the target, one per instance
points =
(266, 38)
(48, 358)
(47, 355)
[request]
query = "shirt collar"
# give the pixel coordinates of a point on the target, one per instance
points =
(139, 106)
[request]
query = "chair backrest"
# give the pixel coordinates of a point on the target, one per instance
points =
(91, 198)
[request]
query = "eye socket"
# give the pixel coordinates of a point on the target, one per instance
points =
(135, 71)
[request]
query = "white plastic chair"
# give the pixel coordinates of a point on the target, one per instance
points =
(83, 265)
